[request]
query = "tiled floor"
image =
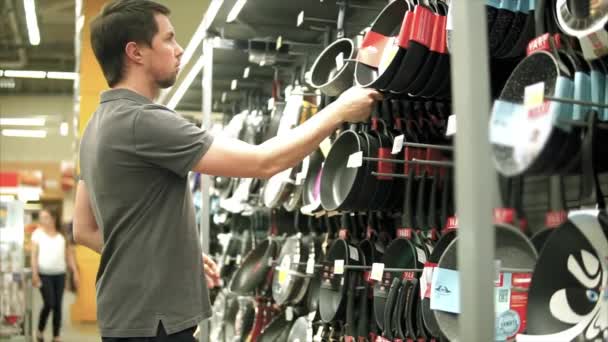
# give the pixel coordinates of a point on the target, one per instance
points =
(70, 332)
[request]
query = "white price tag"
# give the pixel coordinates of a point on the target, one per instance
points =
(421, 255)
(289, 313)
(300, 178)
(325, 146)
(355, 160)
(310, 266)
(339, 266)
(271, 103)
(377, 271)
(450, 21)
(497, 267)
(238, 259)
(340, 60)
(534, 95)
(300, 19)
(354, 254)
(595, 45)
(398, 144)
(451, 130)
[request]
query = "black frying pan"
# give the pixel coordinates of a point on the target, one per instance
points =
(518, 24)
(381, 37)
(502, 24)
(254, 269)
(415, 49)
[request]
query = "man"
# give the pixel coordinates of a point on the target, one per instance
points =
(132, 202)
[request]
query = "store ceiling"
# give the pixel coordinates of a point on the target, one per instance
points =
(256, 28)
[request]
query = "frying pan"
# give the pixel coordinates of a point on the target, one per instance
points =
(311, 200)
(569, 282)
(502, 24)
(333, 289)
(379, 41)
(582, 19)
(326, 75)
(400, 253)
(520, 20)
(512, 248)
(290, 282)
(414, 50)
(255, 267)
(277, 330)
(372, 250)
(438, 50)
(530, 143)
(527, 33)
(556, 215)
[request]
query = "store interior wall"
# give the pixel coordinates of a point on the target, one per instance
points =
(55, 108)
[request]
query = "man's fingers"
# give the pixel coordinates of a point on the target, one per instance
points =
(376, 95)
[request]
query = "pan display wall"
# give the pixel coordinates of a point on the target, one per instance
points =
(406, 227)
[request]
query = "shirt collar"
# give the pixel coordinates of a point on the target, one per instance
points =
(121, 93)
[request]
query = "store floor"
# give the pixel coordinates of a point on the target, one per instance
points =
(70, 332)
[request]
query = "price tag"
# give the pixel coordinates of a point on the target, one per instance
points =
(354, 254)
(339, 266)
(300, 178)
(305, 166)
(534, 95)
(271, 103)
(377, 271)
(289, 313)
(300, 19)
(450, 20)
(310, 266)
(355, 160)
(340, 60)
(421, 255)
(451, 130)
(270, 262)
(325, 146)
(595, 45)
(497, 267)
(238, 259)
(398, 144)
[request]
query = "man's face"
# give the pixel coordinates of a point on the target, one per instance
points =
(163, 57)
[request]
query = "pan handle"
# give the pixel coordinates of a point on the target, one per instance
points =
(388, 307)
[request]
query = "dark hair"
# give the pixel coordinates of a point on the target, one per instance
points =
(121, 22)
(53, 214)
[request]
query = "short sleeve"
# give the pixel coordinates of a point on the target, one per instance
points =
(166, 139)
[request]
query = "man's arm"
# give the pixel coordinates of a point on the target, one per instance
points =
(86, 231)
(234, 158)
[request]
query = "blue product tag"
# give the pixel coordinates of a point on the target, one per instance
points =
(509, 5)
(445, 291)
(582, 92)
(564, 88)
(505, 116)
(598, 83)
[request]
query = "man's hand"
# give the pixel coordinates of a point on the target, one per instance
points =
(356, 104)
(211, 272)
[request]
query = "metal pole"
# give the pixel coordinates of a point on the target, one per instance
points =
(475, 176)
(207, 84)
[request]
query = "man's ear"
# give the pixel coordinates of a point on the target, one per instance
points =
(133, 52)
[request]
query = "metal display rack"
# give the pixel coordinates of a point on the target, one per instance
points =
(471, 101)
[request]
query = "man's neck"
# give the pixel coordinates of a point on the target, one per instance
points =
(142, 88)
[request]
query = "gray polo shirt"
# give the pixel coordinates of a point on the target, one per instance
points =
(134, 159)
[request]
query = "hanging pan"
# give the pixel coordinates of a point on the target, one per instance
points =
(333, 71)
(379, 57)
(530, 142)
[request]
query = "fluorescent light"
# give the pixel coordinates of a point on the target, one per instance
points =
(1, 73)
(236, 9)
(24, 133)
(183, 87)
(214, 8)
(60, 75)
(7, 83)
(32, 21)
(22, 121)
(24, 73)
(63, 129)
(246, 72)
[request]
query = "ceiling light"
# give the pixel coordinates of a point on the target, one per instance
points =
(60, 75)
(214, 8)
(236, 9)
(183, 87)
(24, 133)
(234, 84)
(1, 73)
(7, 83)
(25, 73)
(246, 72)
(63, 129)
(22, 121)
(32, 21)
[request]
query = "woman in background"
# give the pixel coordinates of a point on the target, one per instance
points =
(51, 254)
